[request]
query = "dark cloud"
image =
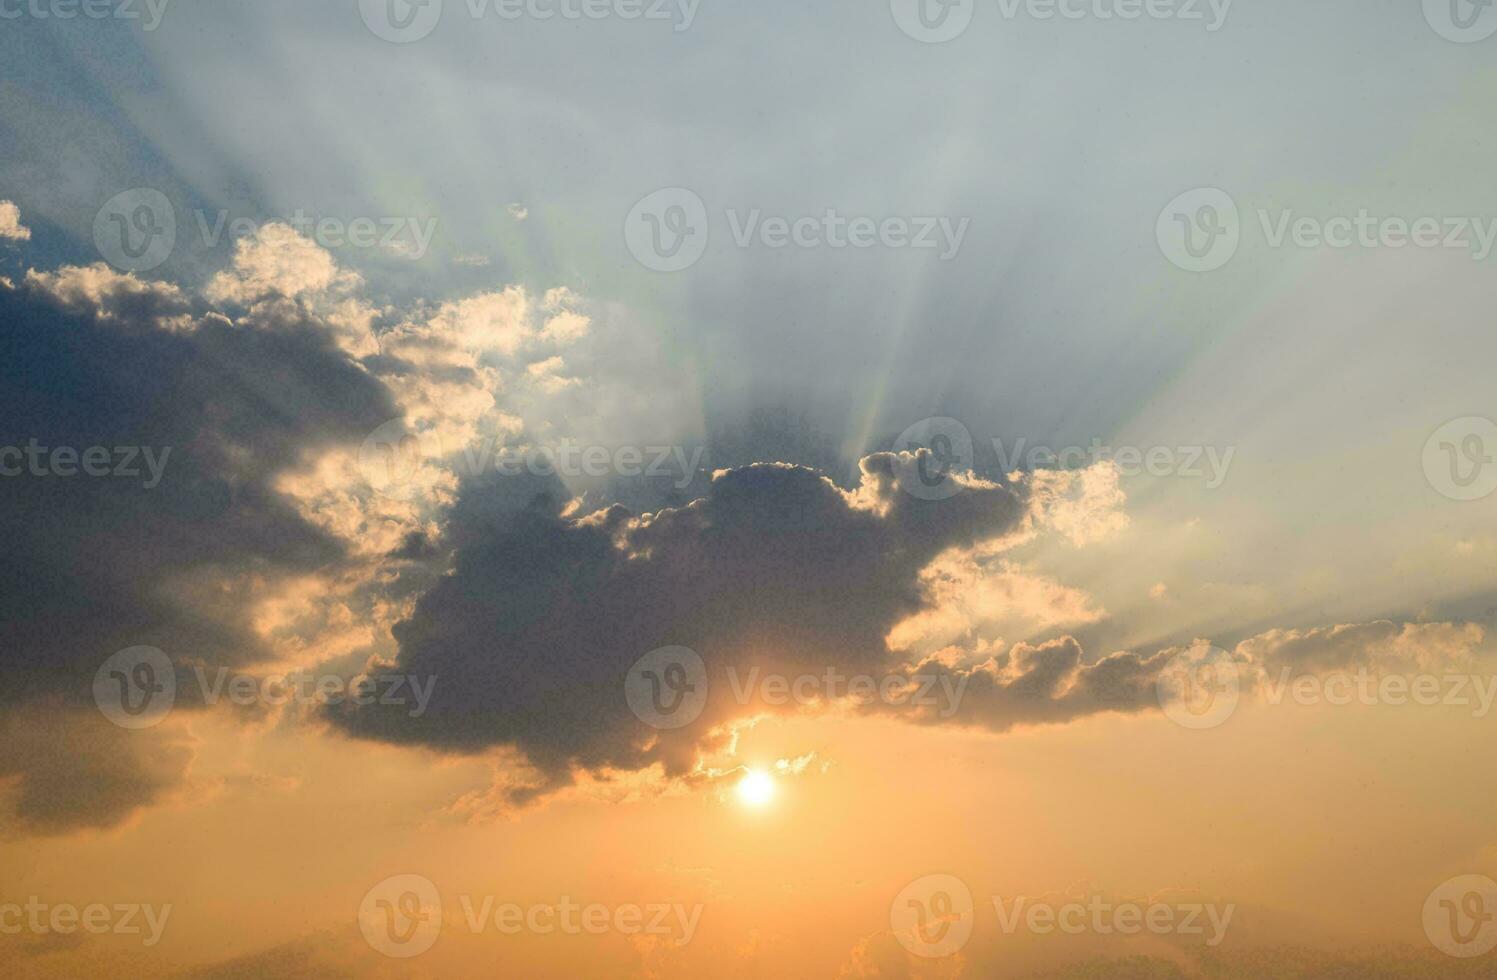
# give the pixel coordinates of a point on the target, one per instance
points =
(74, 769)
(1049, 683)
(1052, 683)
(95, 564)
(531, 638)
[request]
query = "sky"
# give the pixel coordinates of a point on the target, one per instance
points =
(641, 488)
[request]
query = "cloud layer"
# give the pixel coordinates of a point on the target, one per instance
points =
(252, 533)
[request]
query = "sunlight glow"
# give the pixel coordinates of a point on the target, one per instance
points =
(756, 788)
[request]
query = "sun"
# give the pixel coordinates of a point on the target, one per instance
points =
(755, 788)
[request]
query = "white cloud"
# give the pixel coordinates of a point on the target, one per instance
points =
(10, 223)
(277, 261)
(114, 295)
(968, 594)
(278, 265)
